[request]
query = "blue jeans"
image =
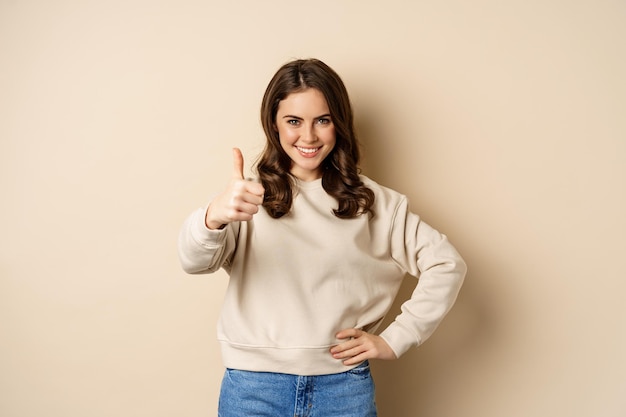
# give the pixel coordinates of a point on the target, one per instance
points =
(267, 394)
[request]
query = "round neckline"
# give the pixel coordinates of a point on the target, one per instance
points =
(308, 185)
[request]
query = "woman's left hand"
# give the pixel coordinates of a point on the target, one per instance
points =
(360, 346)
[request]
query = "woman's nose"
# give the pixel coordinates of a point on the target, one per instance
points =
(309, 135)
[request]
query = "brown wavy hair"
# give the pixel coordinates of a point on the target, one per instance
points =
(340, 177)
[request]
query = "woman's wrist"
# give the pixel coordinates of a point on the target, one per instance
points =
(212, 224)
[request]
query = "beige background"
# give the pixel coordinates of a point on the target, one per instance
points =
(503, 121)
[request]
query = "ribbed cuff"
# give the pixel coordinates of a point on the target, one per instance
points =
(399, 338)
(202, 234)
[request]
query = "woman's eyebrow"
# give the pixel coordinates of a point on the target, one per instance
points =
(291, 116)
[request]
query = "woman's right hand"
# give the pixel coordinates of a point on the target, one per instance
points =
(239, 202)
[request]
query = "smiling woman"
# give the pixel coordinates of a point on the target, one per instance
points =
(308, 354)
(339, 168)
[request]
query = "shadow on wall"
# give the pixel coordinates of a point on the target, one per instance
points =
(424, 379)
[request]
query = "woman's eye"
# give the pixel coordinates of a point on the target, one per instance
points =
(293, 122)
(323, 121)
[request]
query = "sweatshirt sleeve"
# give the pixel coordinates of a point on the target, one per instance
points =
(426, 254)
(202, 250)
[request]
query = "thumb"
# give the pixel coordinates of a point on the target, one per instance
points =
(238, 164)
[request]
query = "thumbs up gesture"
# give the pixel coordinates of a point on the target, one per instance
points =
(239, 202)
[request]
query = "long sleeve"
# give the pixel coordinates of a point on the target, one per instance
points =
(201, 250)
(426, 254)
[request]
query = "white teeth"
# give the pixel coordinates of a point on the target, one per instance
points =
(307, 150)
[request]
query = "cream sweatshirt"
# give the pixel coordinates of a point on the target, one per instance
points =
(296, 281)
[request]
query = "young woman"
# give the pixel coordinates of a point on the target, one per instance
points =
(316, 254)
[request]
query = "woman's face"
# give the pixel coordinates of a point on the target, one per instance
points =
(306, 132)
